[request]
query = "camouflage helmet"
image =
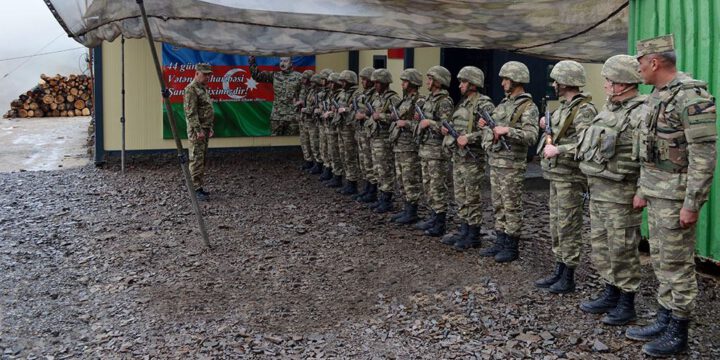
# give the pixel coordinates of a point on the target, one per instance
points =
(412, 76)
(569, 73)
(326, 72)
(515, 71)
(334, 77)
(381, 76)
(349, 76)
(472, 75)
(307, 74)
(441, 74)
(622, 69)
(317, 79)
(366, 72)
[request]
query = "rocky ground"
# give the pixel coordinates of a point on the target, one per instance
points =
(97, 264)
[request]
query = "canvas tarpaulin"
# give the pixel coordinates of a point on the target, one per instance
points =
(588, 30)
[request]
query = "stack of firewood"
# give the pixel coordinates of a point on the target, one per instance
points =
(55, 96)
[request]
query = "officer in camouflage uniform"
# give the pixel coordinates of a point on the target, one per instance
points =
(200, 117)
(605, 154)
(379, 129)
(567, 182)
(676, 147)
(517, 122)
(305, 91)
(332, 132)
(468, 170)
(286, 87)
(437, 107)
(407, 161)
(369, 192)
(346, 131)
(321, 110)
(316, 82)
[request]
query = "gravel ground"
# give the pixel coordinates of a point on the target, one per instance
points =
(97, 264)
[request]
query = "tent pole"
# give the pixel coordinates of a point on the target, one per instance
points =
(122, 91)
(180, 151)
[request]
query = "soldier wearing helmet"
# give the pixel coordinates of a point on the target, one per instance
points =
(379, 128)
(612, 178)
(437, 107)
(407, 161)
(321, 110)
(346, 131)
(468, 170)
(517, 122)
(567, 182)
(369, 192)
(286, 87)
(311, 123)
(304, 127)
(333, 146)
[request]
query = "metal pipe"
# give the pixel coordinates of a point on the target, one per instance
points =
(122, 92)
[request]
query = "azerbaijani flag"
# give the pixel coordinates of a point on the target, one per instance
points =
(242, 105)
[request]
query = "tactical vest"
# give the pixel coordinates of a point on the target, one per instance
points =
(430, 108)
(464, 121)
(663, 142)
(381, 104)
(605, 148)
(509, 113)
(402, 138)
(562, 122)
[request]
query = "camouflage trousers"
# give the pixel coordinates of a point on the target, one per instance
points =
(506, 189)
(383, 162)
(434, 180)
(349, 152)
(305, 140)
(408, 175)
(468, 176)
(365, 155)
(323, 137)
(197, 150)
(566, 220)
(672, 250)
(334, 151)
(314, 136)
(614, 237)
(283, 128)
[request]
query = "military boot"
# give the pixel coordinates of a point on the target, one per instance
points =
(350, 188)
(547, 281)
(386, 204)
(428, 222)
(498, 244)
(326, 173)
(202, 195)
(317, 168)
(672, 342)
(411, 216)
(624, 312)
(371, 195)
(652, 331)
(510, 251)
(452, 238)
(606, 302)
(566, 284)
(307, 165)
(335, 182)
(380, 199)
(438, 228)
(471, 239)
(401, 213)
(365, 190)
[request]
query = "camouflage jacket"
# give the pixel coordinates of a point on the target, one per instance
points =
(333, 103)
(345, 101)
(380, 128)
(437, 108)
(286, 88)
(305, 92)
(402, 138)
(308, 103)
(676, 143)
(604, 151)
(199, 113)
(523, 132)
(576, 115)
(359, 101)
(464, 120)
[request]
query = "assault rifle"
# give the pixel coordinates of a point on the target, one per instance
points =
(547, 139)
(394, 111)
(492, 124)
(451, 130)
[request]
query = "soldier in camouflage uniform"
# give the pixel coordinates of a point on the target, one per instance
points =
(437, 107)
(321, 110)
(346, 131)
(379, 129)
(312, 112)
(407, 161)
(305, 92)
(567, 182)
(330, 117)
(200, 117)
(676, 147)
(468, 158)
(369, 192)
(286, 87)
(605, 154)
(517, 123)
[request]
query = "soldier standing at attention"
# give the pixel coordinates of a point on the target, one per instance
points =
(468, 170)
(286, 87)
(407, 161)
(332, 132)
(200, 116)
(321, 106)
(437, 107)
(346, 131)
(369, 192)
(517, 123)
(304, 128)
(382, 153)
(311, 122)
(676, 148)
(567, 182)
(605, 154)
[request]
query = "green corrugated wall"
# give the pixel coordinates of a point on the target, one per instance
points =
(697, 36)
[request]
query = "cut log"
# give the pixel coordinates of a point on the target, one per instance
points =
(30, 113)
(22, 113)
(79, 104)
(86, 112)
(70, 98)
(48, 99)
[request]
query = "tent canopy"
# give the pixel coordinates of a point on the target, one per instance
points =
(585, 30)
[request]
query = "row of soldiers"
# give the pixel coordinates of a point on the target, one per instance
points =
(654, 151)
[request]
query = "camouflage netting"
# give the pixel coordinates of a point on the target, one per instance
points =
(587, 30)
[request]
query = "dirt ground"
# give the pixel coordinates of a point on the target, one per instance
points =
(97, 264)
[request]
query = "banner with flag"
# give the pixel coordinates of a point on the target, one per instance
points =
(242, 105)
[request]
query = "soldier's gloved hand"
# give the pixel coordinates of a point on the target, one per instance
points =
(551, 151)
(688, 218)
(424, 123)
(251, 60)
(462, 140)
(401, 123)
(481, 123)
(360, 116)
(638, 202)
(376, 116)
(541, 123)
(341, 110)
(444, 130)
